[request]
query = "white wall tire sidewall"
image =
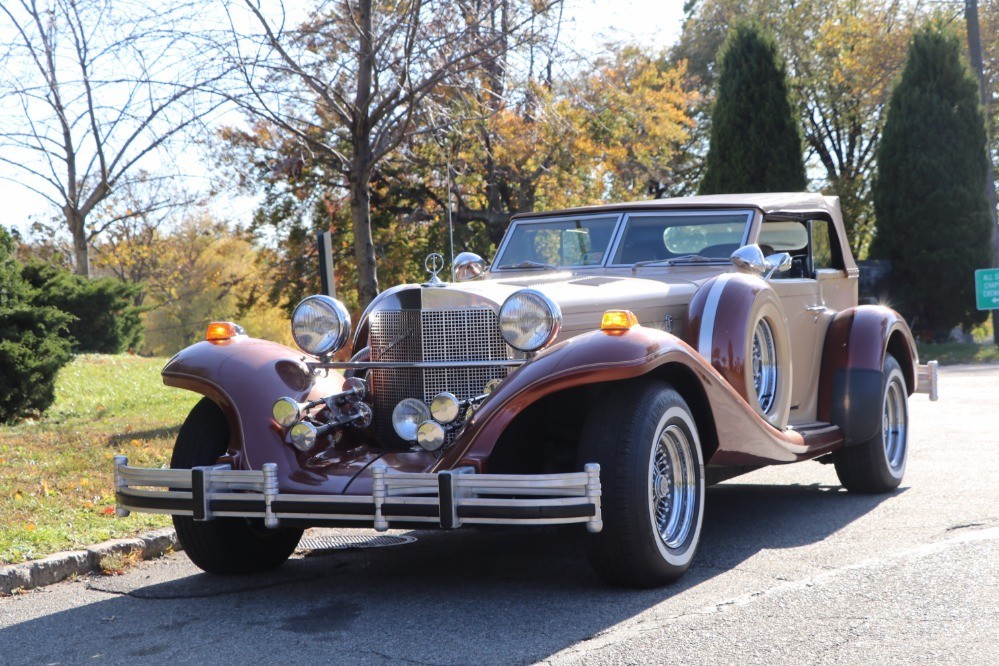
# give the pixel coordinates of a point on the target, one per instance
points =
(676, 557)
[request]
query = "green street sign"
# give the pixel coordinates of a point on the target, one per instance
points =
(987, 288)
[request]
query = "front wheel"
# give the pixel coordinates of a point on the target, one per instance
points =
(652, 479)
(877, 465)
(223, 545)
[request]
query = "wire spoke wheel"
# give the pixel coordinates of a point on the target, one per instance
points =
(673, 492)
(764, 365)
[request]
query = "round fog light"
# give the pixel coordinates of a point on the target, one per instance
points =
(430, 435)
(407, 417)
(286, 412)
(445, 407)
(303, 436)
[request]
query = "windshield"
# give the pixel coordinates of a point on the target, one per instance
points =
(682, 234)
(565, 242)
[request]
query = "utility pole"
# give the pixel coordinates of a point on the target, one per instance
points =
(975, 52)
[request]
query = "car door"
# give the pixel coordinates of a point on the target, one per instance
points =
(810, 243)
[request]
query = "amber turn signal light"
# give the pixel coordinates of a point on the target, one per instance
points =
(222, 330)
(618, 320)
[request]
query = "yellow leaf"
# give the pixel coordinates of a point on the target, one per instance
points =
(18, 496)
(84, 482)
(30, 527)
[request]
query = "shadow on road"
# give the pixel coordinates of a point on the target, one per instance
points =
(479, 596)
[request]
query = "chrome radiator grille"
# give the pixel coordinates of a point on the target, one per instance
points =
(469, 334)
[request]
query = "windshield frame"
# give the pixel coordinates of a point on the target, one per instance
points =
(516, 224)
(618, 237)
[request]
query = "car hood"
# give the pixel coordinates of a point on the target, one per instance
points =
(582, 298)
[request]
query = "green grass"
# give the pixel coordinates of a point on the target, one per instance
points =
(952, 353)
(56, 485)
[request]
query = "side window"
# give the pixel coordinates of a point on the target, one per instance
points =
(825, 249)
(786, 236)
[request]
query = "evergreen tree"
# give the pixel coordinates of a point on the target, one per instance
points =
(755, 139)
(34, 343)
(929, 200)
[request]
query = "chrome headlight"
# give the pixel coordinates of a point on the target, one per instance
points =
(529, 320)
(407, 417)
(320, 325)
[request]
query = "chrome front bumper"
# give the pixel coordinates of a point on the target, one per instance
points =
(446, 499)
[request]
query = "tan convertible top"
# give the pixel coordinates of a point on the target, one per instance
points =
(768, 202)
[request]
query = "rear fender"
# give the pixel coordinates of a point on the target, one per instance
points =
(244, 376)
(852, 366)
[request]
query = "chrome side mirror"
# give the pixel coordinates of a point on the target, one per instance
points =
(749, 259)
(468, 266)
(777, 263)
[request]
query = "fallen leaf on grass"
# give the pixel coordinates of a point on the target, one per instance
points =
(29, 527)
(108, 511)
(18, 496)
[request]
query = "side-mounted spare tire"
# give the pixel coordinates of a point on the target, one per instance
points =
(223, 545)
(736, 323)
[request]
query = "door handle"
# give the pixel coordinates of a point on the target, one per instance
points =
(816, 308)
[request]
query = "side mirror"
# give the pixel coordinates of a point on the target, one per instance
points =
(749, 259)
(777, 263)
(468, 266)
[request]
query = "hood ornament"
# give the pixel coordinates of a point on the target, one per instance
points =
(434, 263)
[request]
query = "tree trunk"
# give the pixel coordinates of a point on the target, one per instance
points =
(81, 249)
(364, 246)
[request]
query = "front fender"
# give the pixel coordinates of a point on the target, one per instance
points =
(852, 366)
(593, 357)
(244, 376)
(743, 437)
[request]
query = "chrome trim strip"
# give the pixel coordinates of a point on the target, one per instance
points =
(389, 365)
(707, 332)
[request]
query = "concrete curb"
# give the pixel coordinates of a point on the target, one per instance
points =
(61, 566)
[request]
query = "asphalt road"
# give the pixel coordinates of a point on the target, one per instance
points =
(791, 570)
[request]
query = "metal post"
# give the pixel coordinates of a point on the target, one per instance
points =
(324, 243)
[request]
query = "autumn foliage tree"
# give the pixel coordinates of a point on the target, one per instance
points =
(352, 83)
(755, 140)
(933, 217)
(842, 58)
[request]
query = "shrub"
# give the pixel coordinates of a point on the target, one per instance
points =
(755, 139)
(929, 195)
(34, 342)
(106, 321)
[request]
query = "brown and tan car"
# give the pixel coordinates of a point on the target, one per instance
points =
(610, 363)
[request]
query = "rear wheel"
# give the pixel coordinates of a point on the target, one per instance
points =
(877, 465)
(223, 545)
(652, 481)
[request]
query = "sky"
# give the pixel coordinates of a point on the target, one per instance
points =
(588, 24)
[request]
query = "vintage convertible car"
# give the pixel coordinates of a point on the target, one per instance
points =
(611, 363)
